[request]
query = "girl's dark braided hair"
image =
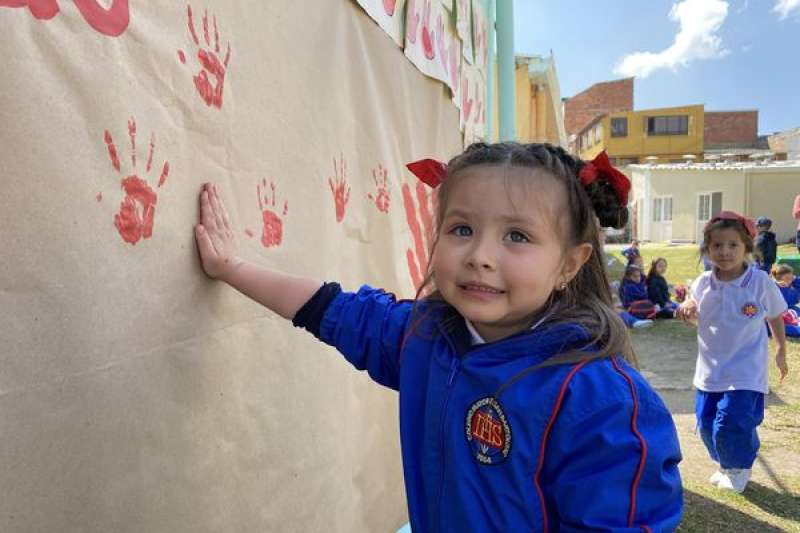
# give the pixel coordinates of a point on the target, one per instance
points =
(556, 160)
(586, 300)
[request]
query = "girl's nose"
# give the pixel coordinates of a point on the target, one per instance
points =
(481, 257)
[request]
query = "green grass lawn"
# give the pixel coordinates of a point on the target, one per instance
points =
(760, 508)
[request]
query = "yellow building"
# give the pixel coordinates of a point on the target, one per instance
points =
(662, 135)
(540, 115)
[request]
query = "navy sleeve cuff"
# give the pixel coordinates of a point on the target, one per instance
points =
(310, 315)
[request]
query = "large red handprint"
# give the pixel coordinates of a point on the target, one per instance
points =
(412, 21)
(272, 233)
(210, 92)
(381, 197)
(137, 210)
(339, 187)
(427, 34)
(421, 227)
(112, 21)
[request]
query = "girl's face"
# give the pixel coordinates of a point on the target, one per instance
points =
(661, 267)
(499, 255)
(635, 276)
(726, 251)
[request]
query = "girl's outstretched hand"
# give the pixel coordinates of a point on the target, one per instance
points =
(687, 311)
(215, 239)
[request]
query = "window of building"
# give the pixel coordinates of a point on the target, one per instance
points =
(675, 125)
(662, 209)
(619, 127)
(598, 133)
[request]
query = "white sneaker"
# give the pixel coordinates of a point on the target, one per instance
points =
(716, 477)
(734, 479)
(642, 324)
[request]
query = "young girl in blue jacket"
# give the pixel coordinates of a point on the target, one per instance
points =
(520, 405)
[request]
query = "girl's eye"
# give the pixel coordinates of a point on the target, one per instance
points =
(516, 236)
(461, 231)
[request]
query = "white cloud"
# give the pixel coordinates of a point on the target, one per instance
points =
(699, 21)
(787, 7)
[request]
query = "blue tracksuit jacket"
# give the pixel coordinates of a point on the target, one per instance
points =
(489, 441)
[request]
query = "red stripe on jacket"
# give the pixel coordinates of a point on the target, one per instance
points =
(550, 422)
(635, 431)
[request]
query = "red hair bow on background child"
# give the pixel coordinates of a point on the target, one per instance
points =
(601, 167)
(748, 223)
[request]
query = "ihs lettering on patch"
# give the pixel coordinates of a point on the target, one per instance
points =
(488, 432)
(749, 309)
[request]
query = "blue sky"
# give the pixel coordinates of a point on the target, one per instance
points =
(728, 55)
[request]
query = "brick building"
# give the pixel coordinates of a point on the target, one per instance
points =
(731, 129)
(599, 99)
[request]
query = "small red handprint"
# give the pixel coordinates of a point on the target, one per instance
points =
(412, 21)
(388, 7)
(427, 34)
(272, 234)
(421, 227)
(339, 187)
(210, 92)
(137, 210)
(381, 197)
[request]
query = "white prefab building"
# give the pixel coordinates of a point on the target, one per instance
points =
(673, 202)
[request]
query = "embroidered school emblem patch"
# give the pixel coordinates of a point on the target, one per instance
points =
(488, 432)
(749, 310)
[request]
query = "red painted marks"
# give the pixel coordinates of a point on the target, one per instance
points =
(427, 34)
(272, 234)
(440, 43)
(99, 197)
(249, 233)
(210, 80)
(420, 223)
(339, 187)
(112, 21)
(466, 101)
(381, 197)
(412, 21)
(137, 210)
(112, 151)
(388, 7)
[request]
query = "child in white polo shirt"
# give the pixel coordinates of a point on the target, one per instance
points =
(731, 302)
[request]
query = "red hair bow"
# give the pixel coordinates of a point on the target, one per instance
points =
(748, 223)
(429, 171)
(601, 167)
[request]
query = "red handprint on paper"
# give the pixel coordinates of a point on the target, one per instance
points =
(427, 34)
(388, 7)
(112, 21)
(381, 197)
(339, 187)
(137, 210)
(420, 223)
(272, 233)
(412, 21)
(211, 67)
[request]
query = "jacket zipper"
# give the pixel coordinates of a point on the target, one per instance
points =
(453, 371)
